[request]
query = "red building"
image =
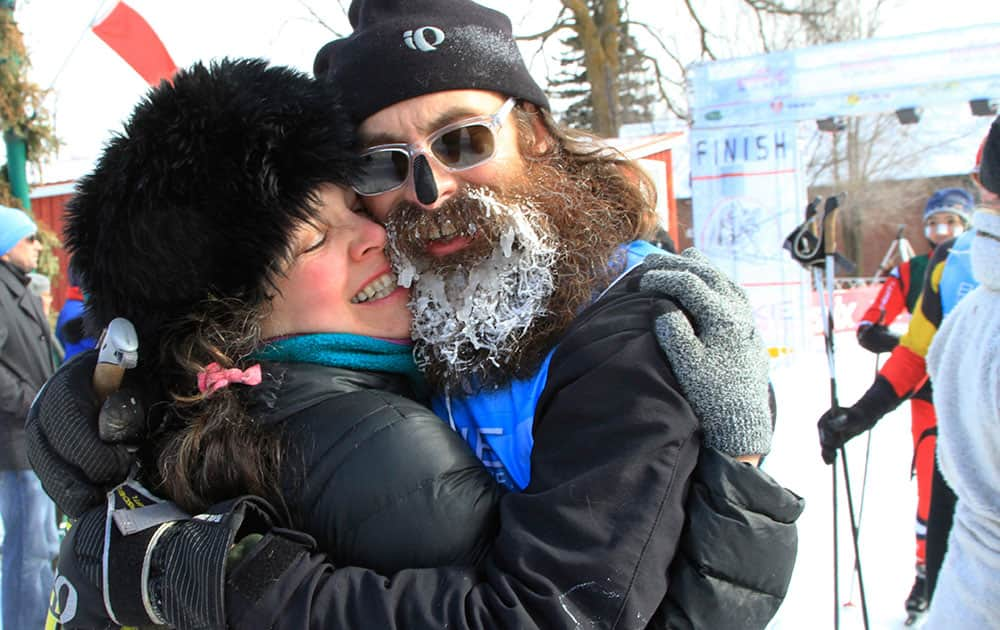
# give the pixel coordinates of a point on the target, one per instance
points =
(48, 202)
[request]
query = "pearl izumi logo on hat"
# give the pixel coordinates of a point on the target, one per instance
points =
(424, 39)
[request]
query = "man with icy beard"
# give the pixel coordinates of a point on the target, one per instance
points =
(478, 312)
(542, 244)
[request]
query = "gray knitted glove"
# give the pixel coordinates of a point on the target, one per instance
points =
(715, 351)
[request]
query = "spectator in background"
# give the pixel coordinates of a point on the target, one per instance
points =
(27, 359)
(964, 361)
(69, 326)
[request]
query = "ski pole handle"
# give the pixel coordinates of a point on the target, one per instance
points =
(894, 246)
(118, 350)
(830, 225)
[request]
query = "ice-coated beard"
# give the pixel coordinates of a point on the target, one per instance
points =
(473, 311)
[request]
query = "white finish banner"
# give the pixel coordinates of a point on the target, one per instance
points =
(747, 197)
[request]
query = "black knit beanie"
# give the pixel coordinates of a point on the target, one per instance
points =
(199, 195)
(401, 49)
(989, 166)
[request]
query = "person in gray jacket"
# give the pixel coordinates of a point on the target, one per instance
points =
(27, 358)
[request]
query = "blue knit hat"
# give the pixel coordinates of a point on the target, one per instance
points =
(952, 200)
(14, 225)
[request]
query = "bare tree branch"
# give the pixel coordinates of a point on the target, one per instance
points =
(560, 24)
(320, 20)
(702, 31)
(778, 8)
(760, 31)
(659, 40)
(660, 80)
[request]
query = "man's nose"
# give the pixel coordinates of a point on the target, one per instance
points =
(432, 183)
(423, 181)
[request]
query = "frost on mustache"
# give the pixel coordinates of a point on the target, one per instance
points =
(469, 319)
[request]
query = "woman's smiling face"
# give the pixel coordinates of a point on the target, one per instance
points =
(340, 280)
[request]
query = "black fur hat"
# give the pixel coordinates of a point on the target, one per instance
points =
(200, 193)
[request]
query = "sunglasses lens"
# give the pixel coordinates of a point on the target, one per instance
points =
(464, 147)
(382, 171)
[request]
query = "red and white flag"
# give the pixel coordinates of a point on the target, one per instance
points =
(128, 34)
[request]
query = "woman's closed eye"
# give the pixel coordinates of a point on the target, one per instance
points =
(316, 240)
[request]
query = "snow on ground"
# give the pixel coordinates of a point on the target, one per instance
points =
(802, 389)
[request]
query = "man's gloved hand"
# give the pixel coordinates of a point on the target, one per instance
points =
(715, 351)
(839, 425)
(163, 567)
(876, 338)
(64, 447)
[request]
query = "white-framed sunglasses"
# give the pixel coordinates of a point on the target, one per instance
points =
(456, 147)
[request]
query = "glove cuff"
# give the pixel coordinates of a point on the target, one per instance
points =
(188, 566)
(135, 523)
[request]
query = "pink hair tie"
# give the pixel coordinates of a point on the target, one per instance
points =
(214, 377)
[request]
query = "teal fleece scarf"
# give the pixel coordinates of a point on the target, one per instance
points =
(344, 350)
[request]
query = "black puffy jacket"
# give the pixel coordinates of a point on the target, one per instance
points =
(375, 477)
(605, 526)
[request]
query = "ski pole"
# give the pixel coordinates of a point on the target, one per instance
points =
(817, 274)
(883, 267)
(901, 247)
(861, 506)
(830, 250)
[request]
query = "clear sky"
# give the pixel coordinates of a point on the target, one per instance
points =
(94, 90)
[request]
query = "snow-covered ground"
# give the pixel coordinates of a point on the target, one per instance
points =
(887, 542)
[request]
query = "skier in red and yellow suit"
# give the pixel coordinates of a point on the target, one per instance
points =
(904, 374)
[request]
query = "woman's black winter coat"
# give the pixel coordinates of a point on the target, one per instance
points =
(375, 477)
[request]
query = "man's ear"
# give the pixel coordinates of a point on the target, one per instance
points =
(542, 139)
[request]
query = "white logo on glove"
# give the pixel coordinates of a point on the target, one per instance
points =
(424, 39)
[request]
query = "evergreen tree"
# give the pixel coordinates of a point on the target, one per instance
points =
(632, 84)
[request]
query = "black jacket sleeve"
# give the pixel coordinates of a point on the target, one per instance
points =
(732, 506)
(587, 544)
